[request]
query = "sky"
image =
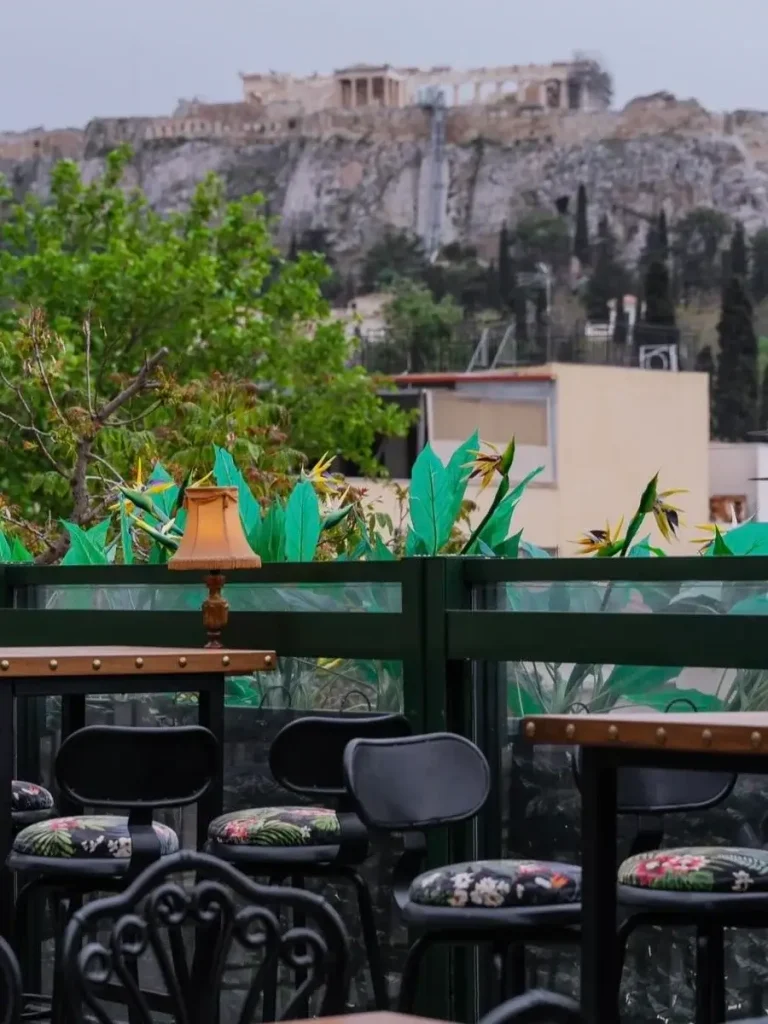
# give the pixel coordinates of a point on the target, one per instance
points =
(64, 63)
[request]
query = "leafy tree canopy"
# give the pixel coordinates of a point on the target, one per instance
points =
(114, 321)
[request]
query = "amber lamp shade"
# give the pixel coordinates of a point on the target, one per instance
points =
(213, 540)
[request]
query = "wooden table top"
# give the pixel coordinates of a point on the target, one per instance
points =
(734, 732)
(377, 1017)
(18, 662)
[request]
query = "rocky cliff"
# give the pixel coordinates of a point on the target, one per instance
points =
(356, 173)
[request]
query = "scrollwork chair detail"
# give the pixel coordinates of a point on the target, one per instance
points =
(106, 939)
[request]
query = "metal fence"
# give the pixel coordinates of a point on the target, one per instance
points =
(466, 645)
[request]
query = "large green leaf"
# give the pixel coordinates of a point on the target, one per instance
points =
(126, 540)
(757, 605)
(458, 472)
(5, 548)
(429, 501)
(529, 550)
(82, 550)
(414, 545)
(510, 548)
(520, 702)
(98, 534)
(632, 682)
(19, 553)
(273, 534)
(517, 491)
(226, 474)
(381, 552)
(496, 529)
(644, 549)
(302, 523)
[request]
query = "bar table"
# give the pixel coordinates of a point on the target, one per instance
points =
(730, 741)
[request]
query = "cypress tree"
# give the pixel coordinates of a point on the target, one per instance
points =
(759, 277)
(581, 238)
(506, 284)
(662, 237)
(658, 324)
(738, 261)
(736, 400)
(293, 251)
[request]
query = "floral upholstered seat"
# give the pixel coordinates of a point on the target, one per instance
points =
(90, 836)
(276, 826)
(28, 797)
(498, 883)
(724, 869)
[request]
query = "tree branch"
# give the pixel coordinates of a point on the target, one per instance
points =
(137, 385)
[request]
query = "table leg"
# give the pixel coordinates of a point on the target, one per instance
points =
(211, 715)
(599, 959)
(7, 765)
(72, 719)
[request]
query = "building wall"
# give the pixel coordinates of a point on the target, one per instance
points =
(616, 427)
(731, 469)
(608, 430)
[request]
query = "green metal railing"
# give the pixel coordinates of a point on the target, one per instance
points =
(454, 625)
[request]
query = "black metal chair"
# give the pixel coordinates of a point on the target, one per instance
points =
(710, 888)
(30, 803)
(230, 915)
(537, 1007)
(415, 784)
(328, 841)
(132, 769)
(10, 985)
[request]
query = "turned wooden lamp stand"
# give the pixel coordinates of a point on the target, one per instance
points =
(213, 540)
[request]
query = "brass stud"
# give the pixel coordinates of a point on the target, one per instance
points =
(706, 737)
(756, 739)
(530, 729)
(182, 662)
(225, 660)
(570, 731)
(5, 665)
(661, 735)
(613, 732)
(268, 660)
(139, 663)
(53, 664)
(96, 664)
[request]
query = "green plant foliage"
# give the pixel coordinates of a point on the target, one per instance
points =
(302, 523)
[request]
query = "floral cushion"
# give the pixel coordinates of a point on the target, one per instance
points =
(87, 836)
(276, 826)
(26, 796)
(498, 883)
(698, 869)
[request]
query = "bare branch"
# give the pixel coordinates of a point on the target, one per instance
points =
(44, 375)
(89, 391)
(38, 434)
(137, 385)
(141, 416)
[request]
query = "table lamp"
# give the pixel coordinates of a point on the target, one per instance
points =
(213, 540)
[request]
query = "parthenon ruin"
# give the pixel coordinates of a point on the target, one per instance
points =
(580, 84)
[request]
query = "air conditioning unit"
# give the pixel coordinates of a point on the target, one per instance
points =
(658, 357)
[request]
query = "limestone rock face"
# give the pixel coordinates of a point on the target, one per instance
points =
(356, 177)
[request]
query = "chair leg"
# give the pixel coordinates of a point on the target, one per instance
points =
(409, 981)
(269, 1007)
(371, 941)
(58, 997)
(710, 975)
(514, 957)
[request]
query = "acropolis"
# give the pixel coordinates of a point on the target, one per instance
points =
(576, 85)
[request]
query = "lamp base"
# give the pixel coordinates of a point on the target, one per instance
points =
(215, 609)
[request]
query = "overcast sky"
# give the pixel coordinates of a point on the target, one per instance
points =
(64, 63)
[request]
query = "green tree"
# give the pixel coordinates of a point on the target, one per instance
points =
(581, 249)
(738, 257)
(541, 237)
(396, 254)
(506, 283)
(658, 323)
(609, 279)
(759, 276)
(101, 300)
(420, 330)
(663, 236)
(698, 239)
(735, 395)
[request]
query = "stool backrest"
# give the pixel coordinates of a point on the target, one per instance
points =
(416, 783)
(137, 767)
(307, 755)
